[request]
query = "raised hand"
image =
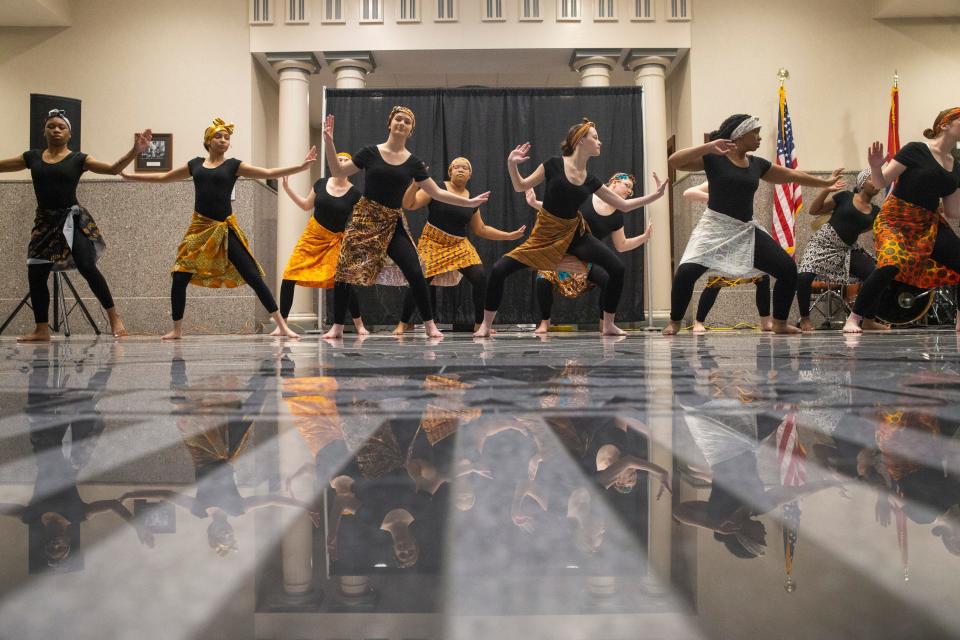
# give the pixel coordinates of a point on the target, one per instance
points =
(520, 153)
(142, 141)
(311, 156)
(646, 234)
(875, 156)
(531, 197)
(661, 186)
(721, 146)
(513, 235)
(835, 182)
(285, 180)
(480, 199)
(328, 127)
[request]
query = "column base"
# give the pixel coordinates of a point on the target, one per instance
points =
(308, 602)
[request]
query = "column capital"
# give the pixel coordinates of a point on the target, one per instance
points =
(637, 58)
(305, 60)
(581, 58)
(337, 60)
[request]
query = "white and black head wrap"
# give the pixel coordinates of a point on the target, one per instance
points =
(750, 124)
(58, 113)
(862, 178)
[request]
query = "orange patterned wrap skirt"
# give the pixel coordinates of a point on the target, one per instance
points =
(313, 262)
(904, 234)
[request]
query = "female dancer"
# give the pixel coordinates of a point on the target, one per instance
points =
(913, 244)
(444, 246)
(726, 238)
(214, 252)
(832, 253)
(313, 262)
(64, 234)
(378, 227)
(604, 222)
(560, 229)
(708, 297)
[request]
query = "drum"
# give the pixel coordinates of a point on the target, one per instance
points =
(904, 303)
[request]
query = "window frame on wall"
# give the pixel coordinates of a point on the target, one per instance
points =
(261, 12)
(637, 14)
(413, 8)
(378, 12)
(488, 13)
(610, 7)
(575, 16)
(296, 11)
(680, 10)
(449, 13)
(537, 10)
(328, 12)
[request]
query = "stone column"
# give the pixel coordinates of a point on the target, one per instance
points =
(350, 68)
(594, 65)
(293, 142)
(649, 72)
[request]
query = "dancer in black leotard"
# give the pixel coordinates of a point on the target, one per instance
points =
(444, 248)
(313, 262)
(726, 238)
(214, 253)
(64, 234)
(560, 229)
(378, 227)
(604, 222)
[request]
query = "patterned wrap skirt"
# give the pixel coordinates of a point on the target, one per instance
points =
(444, 254)
(548, 242)
(828, 256)
(51, 240)
(723, 244)
(313, 262)
(363, 257)
(904, 234)
(567, 283)
(719, 282)
(203, 252)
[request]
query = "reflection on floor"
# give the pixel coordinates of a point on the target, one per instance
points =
(724, 486)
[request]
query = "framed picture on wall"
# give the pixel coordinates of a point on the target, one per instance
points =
(158, 156)
(41, 105)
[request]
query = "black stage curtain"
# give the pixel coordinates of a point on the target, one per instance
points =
(484, 125)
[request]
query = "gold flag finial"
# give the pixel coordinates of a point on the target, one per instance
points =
(782, 75)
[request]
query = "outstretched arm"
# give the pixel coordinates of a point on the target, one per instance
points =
(479, 228)
(691, 159)
(337, 170)
(435, 192)
(13, 164)
(415, 198)
(140, 143)
(823, 204)
(249, 171)
(623, 244)
(608, 196)
(699, 193)
(304, 203)
(180, 173)
(782, 175)
(521, 154)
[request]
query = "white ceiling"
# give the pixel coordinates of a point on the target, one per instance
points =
(34, 13)
(917, 9)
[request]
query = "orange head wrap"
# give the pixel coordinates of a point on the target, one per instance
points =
(582, 131)
(946, 117)
(218, 125)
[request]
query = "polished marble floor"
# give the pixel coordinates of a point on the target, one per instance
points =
(733, 485)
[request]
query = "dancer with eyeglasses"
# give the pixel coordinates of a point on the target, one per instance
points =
(64, 234)
(604, 222)
(560, 229)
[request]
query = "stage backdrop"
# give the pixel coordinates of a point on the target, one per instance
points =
(484, 125)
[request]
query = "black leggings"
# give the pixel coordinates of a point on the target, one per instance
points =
(588, 249)
(596, 275)
(246, 266)
(478, 286)
(946, 251)
(768, 257)
(404, 254)
(286, 299)
(861, 266)
(85, 257)
(709, 296)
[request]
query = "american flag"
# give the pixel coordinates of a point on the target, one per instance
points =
(787, 198)
(791, 457)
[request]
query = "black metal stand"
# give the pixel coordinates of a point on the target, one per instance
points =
(832, 295)
(61, 313)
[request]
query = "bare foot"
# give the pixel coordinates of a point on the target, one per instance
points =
(287, 332)
(336, 331)
(699, 328)
(873, 325)
(542, 328)
(852, 325)
(176, 334)
(39, 335)
(671, 329)
(402, 328)
(766, 323)
(482, 332)
(783, 328)
(116, 324)
(431, 330)
(610, 329)
(360, 329)
(276, 332)
(806, 325)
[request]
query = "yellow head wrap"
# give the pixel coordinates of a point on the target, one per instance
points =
(345, 154)
(461, 158)
(218, 125)
(582, 131)
(404, 110)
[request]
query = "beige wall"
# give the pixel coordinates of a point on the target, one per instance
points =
(170, 65)
(841, 63)
(265, 114)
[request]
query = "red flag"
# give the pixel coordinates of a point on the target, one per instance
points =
(893, 126)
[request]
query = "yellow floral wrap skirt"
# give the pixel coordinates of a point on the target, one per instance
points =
(443, 255)
(203, 252)
(313, 262)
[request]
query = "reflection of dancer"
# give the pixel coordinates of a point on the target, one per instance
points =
(56, 509)
(832, 253)
(914, 245)
(378, 227)
(64, 234)
(560, 229)
(708, 297)
(604, 222)
(727, 239)
(313, 262)
(444, 247)
(215, 444)
(214, 253)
